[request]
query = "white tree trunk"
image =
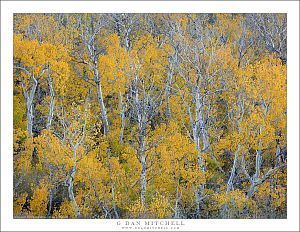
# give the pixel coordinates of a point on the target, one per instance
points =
(168, 90)
(112, 189)
(122, 118)
(197, 127)
(230, 181)
(29, 103)
(255, 178)
(71, 191)
(29, 119)
(278, 155)
(101, 103)
(143, 179)
(127, 38)
(52, 94)
(143, 161)
(50, 202)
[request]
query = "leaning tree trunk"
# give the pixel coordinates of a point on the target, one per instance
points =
(104, 118)
(255, 177)
(230, 180)
(52, 94)
(29, 103)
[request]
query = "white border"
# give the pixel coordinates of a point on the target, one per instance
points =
(7, 10)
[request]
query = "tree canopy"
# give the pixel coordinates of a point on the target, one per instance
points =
(150, 116)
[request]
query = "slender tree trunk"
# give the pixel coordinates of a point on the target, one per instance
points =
(168, 89)
(71, 191)
(50, 193)
(29, 103)
(142, 156)
(203, 129)
(122, 118)
(198, 127)
(142, 126)
(104, 120)
(127, 39)
(258, 161)
(200, 188)
(101, 103)
(176, 215)
(29, 119)
(230, 181)
(251, 190)
(278, 155)
(50, 202)
(255, 178)
(52, 94)
(172, 61)
(112, 189)
(106, 130)
(198, 194)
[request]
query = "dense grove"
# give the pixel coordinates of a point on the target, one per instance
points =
(150, 116)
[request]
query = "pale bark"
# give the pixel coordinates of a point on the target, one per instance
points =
(52, 95)
(255, 178)
(233, 169)
(172, 61)
(29, 102)
(278, 155)
(122, 118)
(273, 35)
(71, 190)
(230, 181)
(198, 131)
(177, 213)
(112, 189)
(50, 203)
(168, 88)
(92, 62)
(72, 137)
(127, 38)
(143, 177)
(101, 102)
(29, 118)
(197, 126)
(143, 161)
(29, 96)
(71, 179)
(125, 25)
(142, 114)
(88, 37)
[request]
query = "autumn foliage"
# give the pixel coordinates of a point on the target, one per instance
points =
(150, 116)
